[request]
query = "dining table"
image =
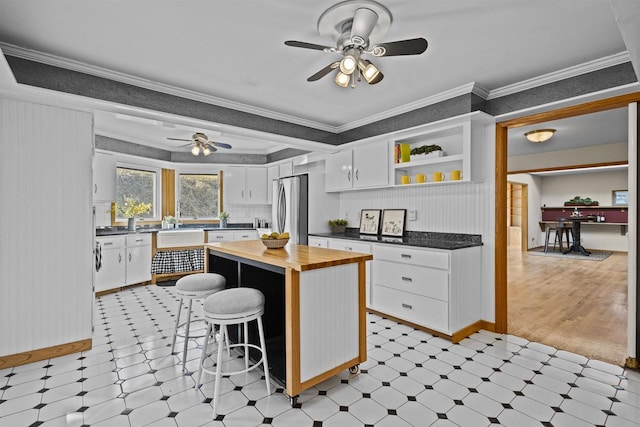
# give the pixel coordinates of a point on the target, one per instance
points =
(576, 246)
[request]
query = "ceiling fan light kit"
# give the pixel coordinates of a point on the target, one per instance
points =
(201, 143)
(539, 135)
(351, 23)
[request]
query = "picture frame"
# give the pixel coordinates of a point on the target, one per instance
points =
(620, 198)
(393, 221)
(370, 221)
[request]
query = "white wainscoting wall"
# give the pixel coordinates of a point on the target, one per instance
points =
(46, 268)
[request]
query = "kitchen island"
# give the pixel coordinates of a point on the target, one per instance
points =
(315, 314)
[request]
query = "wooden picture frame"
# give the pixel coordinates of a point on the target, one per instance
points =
(620, 198)
(393, 221)
(370, 221)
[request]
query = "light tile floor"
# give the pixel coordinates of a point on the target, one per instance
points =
(129, 378)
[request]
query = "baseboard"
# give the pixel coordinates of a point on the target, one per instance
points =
(488, 326)
(44, 353)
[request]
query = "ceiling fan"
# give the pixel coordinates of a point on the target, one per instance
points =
(353, 23)
(201, 143)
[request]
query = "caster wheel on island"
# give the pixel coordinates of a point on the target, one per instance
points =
(354, 369)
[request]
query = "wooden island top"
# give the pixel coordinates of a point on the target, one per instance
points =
(296, 257)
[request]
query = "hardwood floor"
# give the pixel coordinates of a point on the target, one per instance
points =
(578, 306)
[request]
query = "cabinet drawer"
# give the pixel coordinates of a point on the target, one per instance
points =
(429, 282)
(245, 235)
(111, 242)
(348, 245)
(426, 258)
(138, 240)
(220, 236)
(318, 242)
(424, 311)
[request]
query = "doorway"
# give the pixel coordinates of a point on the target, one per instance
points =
(501, 220)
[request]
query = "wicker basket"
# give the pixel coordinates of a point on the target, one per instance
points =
(274, 243)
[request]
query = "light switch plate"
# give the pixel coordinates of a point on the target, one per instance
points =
(413, 215)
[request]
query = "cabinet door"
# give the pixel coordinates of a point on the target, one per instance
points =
(234, 185)
(272, 173)
(104, 177)
(285, 169)
(339, 171)
(371, 165)
(138, 264)
(318, 242)
(112, 271)
(256, 182)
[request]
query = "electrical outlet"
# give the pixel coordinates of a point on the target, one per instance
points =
(413, 215)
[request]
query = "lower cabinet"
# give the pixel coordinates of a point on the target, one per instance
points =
(122, 260)
(437, 289)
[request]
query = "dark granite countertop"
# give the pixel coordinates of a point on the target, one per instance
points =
(114, 231)
(422, 239)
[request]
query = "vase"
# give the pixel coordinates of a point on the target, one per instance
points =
(223, 223)
(131, 224)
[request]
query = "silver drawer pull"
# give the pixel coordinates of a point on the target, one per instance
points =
(139, 240)
(407, 279)
(108, 243)
(219, 237)
(347, 248)
(406, 256)
(245, 235)
(407, 306)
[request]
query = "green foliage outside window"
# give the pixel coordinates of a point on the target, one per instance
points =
(199, 196)
(139, 185)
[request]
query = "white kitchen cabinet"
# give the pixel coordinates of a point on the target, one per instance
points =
(111, 263)
(138, 252)
(434, 288)
(365, 166)
(318, 242)
(462, 141)
(104, 177)
(285, 169)
(353, 246)
(245, 235)
(273, 173)
(245, 185)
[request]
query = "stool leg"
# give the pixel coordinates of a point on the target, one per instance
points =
(265, 363)
(216, 389)
(246, 347)
(546, 239)
(186, 337)
(226, 340)
(175, 332)
(559, 235)
(204, 354)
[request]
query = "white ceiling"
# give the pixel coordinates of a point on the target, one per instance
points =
(233, 53)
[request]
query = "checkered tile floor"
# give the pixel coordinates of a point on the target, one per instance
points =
(411, 378)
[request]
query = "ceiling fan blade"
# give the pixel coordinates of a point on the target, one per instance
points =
(326, 70)
(222, 145)
(185, 145)
(178, 139)
(305, 45)
(364, 20)
(402, 47)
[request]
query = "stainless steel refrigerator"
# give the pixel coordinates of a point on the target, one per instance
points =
(291, 207)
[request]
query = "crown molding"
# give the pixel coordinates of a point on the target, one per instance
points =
(576, 70)
(69, 64)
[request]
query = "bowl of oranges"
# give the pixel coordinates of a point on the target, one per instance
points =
(275, 240)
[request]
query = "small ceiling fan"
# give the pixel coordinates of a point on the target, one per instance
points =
(352, 23)
(201, 143)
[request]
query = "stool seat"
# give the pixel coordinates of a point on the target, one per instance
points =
(232, 303)
(233, 307)
(194, 286)
(201, 282)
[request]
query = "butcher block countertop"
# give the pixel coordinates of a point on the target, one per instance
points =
(296, 257)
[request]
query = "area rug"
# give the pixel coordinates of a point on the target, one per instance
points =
(595, 255)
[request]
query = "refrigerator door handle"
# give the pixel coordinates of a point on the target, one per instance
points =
(282, 209)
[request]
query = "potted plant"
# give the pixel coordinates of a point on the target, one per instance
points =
(131, 209)
(338, 225)
(170, 221)
(433, 150)
(224, 218)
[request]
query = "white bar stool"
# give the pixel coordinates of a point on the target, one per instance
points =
(193, 286)
(232, 307)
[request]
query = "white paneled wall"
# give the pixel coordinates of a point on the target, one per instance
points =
(46, 275)
(449, 208)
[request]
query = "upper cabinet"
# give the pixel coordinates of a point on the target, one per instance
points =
(104, 177)
(460, 160)
(364, 166)
(245, 185)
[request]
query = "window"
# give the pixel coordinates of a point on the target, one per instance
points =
(137, 184)
(199, 196)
